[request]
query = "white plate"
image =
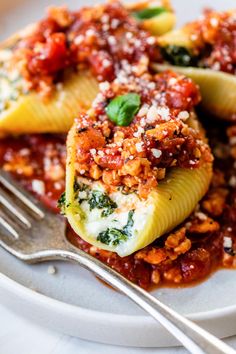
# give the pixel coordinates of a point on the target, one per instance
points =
(73, 301)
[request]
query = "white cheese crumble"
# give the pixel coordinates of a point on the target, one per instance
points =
(115, 23)
(79, 39)
(82, 195)
(201, 216)
(101, 153)
(164, 112)
(156, 153)
(104, 86)
(106, 63)
(38, 186)
(143, 110)
(151, 40)
(139, 132)
(214, 22)
(93, 151)
(139, 147)
(111, 40)
(172, 81)
(183, 115)
(152, 114)
(227, 242)
(90, 32)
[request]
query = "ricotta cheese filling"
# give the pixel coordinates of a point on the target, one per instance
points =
(111, 219)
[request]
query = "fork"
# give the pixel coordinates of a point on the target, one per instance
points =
(33, 234)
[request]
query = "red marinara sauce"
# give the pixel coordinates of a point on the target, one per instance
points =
(137, 156)
(38, 162)
(214, 39)
(100, 38)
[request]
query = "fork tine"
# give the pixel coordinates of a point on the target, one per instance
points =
(8, 204)
(9, 184)
(5, 223)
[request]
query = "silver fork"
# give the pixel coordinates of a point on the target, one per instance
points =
(34, 234)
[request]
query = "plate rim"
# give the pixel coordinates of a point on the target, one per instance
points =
(22, 290)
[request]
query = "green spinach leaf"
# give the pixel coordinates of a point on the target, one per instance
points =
(114, 236)
(179, 56)
(101, 200)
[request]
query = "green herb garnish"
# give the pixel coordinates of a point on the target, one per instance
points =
(179, 56)
(130, 223)
(101, 200)
(122, 109)
(80, 186)
(114, 236)
(150, 12)
(61, 203)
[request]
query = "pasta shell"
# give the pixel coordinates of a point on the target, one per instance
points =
(160, 24)
(218, 89)
(31, 114)
(157, 25)
(167, 206)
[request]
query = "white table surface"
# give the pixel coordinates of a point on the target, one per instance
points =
(18, 335)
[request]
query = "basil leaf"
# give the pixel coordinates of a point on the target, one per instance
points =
(149, 13)
(122, 109)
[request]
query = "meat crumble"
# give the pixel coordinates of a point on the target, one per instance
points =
(213, 41)
(98, 38)
(158, 138)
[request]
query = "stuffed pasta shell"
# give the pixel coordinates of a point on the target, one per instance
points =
(51, 70)
(137, 162)
(205, 51)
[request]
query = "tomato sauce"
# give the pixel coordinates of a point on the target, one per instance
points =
(214, 40)
(99, 38)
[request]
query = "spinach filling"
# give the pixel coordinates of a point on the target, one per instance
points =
(95, 198)
(179, 56)
(61, 203)
(10, 89)
(114, 236)
(101, 200)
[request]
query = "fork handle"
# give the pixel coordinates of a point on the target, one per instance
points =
(193, 337)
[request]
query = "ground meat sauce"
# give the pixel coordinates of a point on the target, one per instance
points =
(99, 38)
(158, 138)
(202, 244)
(38, 162)
(214, 40)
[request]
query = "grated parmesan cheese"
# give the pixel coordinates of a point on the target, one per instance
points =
(156, 153)
(227, 242)
(183, 115)
(38, 186)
